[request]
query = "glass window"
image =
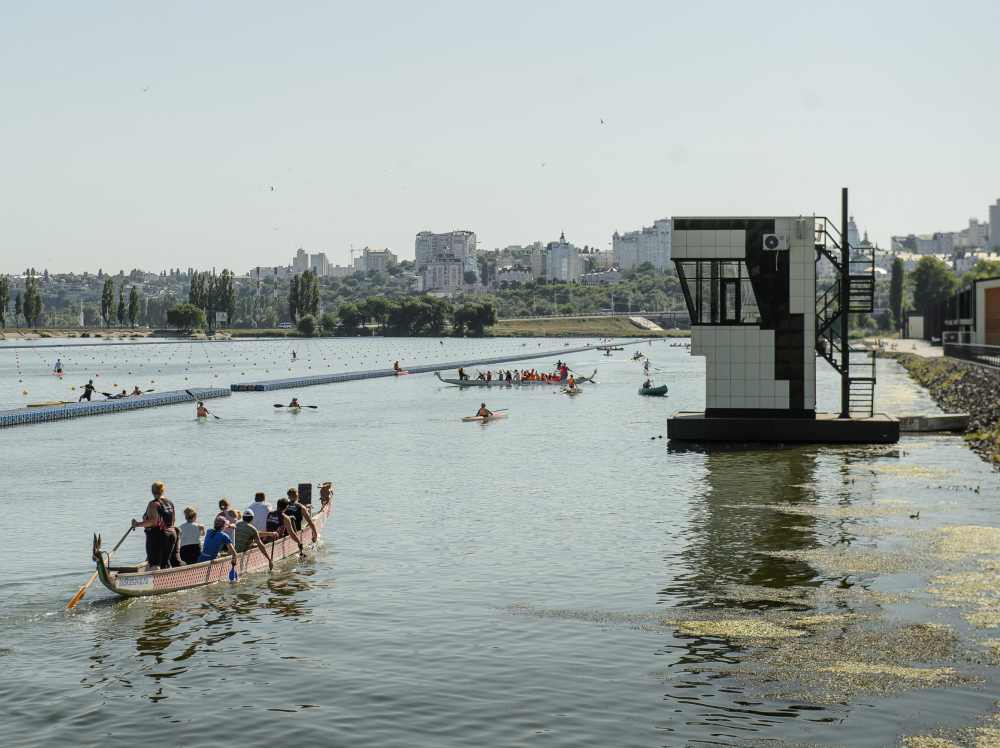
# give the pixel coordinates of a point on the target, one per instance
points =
(718, 292)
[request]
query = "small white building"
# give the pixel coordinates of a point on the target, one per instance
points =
(604, 277)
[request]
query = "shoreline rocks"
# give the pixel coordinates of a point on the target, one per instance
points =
(961, 387)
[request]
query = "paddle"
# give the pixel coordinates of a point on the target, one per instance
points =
(279, 405)
(83, 589)
(209, 412)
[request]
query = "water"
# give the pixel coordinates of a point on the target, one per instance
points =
(558, 577)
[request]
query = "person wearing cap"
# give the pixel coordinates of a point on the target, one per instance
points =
(215, 540)
(247, 536)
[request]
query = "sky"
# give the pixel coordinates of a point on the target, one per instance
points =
(228, 134)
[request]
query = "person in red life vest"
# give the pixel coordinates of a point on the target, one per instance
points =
(158, 521)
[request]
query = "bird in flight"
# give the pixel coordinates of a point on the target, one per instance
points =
(146, 89)
(274, 229)
(272, 189)
(602, 121)
(543, 164)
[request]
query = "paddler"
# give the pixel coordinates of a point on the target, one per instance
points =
(483, 411)
(563, 370)
(58, 369)
(572, 382)
(294, 403)
(137, 391)
(203, 412)
(396, 366)
(88, 391)
(461, 374)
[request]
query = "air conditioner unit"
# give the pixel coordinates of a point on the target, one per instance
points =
(775, 241)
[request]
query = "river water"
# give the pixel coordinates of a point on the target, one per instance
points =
(563, 577)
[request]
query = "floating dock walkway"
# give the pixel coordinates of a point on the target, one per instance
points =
(280, 384)
(77, 410)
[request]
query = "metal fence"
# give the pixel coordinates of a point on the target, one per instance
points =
(980, 354)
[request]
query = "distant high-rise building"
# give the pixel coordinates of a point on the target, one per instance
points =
(374, 259)
(454, 244)
(563, 260)
(651, 244)
(300, 263)
(994, 235)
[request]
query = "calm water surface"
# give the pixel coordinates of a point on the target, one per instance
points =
(513, 583)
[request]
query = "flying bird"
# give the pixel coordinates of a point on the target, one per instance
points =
(145, 89)
(272, 189)
(543, 164)
(602, 121)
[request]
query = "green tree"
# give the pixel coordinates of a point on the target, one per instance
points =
(121, 304)
(567, 309)
(187, 316)
(471, 276)
(376, 308)
(896, 294)
(32, 304)
(933, 282)
(4, 300)
(294, 298)
(108, 301)
(134, 304)
(983, 269)
(18, 308)
(328, 322)
(307, 324)
(350, 316)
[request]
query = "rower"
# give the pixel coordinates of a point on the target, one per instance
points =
(58, 368)
(461, 374)
(396, 366)
(645, 367)
(572, 382)
(203, 412)
(294, 403)
(647, 385)
(483, 411)
(137, 391)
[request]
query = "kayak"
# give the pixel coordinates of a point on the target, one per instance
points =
(484, 419)
(42, 405)
(58, 373)
(294, 410)
(401, 373)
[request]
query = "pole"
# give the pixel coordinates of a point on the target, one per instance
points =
(845, 305)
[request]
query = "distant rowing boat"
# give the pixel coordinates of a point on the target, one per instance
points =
(483, 419)
(654, 391)
(135, 581)
(503, 382)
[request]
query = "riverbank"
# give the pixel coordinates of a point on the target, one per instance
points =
(961, 387)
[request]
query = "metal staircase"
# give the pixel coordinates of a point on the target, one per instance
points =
(854, 365)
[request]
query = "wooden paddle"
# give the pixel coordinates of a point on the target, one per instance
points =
(79, 595)
(279, 405)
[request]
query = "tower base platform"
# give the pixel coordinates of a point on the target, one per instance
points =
(827, 428)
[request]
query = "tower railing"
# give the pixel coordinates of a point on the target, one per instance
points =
(832, 326)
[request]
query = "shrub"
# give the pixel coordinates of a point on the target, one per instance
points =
(307, 324)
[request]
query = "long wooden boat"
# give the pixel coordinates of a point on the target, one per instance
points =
(655, 391)
(503, 382)
(135, 581)
(943, 422)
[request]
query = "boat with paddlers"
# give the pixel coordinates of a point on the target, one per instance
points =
(136, 581)
(654, 391)
(503, 382)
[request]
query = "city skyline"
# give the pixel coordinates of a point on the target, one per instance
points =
(153, 136)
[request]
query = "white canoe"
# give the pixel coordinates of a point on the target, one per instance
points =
(943, 422)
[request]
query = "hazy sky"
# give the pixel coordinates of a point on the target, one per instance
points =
(373, 121)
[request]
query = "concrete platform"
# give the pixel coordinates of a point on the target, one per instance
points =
(827, 428)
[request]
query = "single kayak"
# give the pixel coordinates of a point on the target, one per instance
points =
(58, 373)
(483, 419)
(401, 373)
(42, 405)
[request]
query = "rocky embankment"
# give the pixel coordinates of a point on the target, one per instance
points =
(961, 387)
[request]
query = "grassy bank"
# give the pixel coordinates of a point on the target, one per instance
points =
(609, 327)
(961, 387)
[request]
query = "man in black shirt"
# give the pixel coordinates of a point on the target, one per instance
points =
(297, 513)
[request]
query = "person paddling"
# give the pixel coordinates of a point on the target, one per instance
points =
(396, 366)
(294, 403)
(58, 368)
(88, 391)
(483, 411)
(203, 412)
(137, 391)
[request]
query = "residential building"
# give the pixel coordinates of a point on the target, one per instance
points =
(374, 259)
(319, 264)
(605, 277)
(650, 244)
(458, 244)
(563, 261)
(518, 273)
(976, 235)
(304, 261)
(936, 244)
(340, 271)
(445, 273)
(994, 237)
(300, 263)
